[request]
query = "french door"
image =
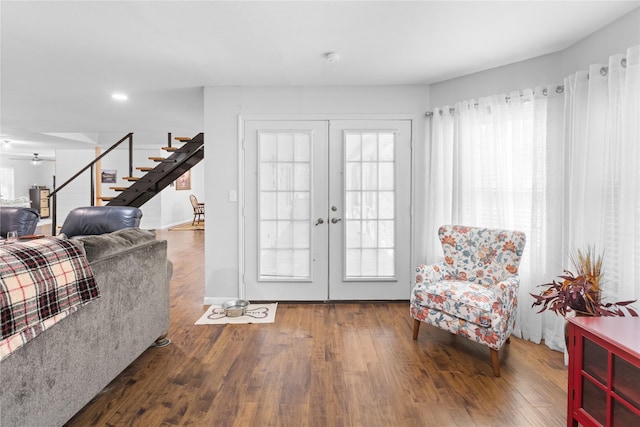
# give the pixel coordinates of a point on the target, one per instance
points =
(327, 209)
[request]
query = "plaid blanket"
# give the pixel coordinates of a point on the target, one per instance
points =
(41, 282)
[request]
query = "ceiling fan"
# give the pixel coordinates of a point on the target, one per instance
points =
(36, 160)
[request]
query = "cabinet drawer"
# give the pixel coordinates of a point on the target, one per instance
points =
(44, 212)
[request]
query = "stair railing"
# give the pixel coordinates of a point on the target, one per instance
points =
(53, 195)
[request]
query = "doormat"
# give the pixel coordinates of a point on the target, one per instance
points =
(256, 313)
(188, 227)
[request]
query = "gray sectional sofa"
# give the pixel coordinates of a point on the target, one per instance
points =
(53, 376)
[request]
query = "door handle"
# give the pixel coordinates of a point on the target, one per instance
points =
(320, 221)
(335, 220)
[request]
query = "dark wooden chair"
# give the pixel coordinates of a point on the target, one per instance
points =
(198, 210)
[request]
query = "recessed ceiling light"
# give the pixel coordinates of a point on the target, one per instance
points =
(119, 96)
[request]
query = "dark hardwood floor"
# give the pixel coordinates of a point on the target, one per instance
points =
(346, 364)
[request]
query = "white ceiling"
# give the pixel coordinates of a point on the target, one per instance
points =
(61, 60)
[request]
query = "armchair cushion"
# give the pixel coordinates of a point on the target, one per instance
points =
(471, 302)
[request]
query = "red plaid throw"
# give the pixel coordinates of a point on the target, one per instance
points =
(41, 282)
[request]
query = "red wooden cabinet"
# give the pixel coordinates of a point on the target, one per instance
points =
(604, 371)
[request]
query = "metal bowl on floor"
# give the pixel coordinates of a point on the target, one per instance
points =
(235, 307)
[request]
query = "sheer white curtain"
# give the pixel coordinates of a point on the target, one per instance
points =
(494, 163)
(560, 165)
(602, 140)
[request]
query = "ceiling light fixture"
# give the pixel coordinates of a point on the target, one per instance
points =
(119, 96)
(331, 57)
(36, 160)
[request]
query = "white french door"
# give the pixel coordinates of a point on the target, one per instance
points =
(327, 209)
(370, 198)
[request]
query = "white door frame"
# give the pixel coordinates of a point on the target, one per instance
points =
(241, 170)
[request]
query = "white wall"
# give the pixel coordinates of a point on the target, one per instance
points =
(544, 70)
(599, 46)
(223, 106)
(25, 174)
(540, 71)
(175, 205)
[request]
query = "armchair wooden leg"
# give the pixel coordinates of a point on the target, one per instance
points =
(416, 328)
(495, 361)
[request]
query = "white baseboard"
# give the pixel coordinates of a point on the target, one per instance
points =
(173, 224)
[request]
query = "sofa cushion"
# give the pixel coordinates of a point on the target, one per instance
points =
(103, 245)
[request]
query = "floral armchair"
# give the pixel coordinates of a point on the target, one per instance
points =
(474, 291)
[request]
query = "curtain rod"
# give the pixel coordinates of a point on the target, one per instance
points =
(604, 70)
(559, 89)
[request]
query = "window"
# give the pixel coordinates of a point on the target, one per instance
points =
(7, 191)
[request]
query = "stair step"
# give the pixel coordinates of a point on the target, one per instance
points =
(118, 188)
(182, 138)
(156, 159)
(131, 178)
(170, 148)
(144, 168)
(106, 199)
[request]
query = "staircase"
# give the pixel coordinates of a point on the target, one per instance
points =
(159, 177)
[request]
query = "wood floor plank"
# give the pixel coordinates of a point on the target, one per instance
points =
(342, 364)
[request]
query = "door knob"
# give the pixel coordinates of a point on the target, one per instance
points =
(320, 221)
(335, 220)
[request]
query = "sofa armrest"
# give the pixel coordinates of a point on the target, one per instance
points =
(104, 245)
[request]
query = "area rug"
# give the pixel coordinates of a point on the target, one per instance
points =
(188, 227)
(256, 313)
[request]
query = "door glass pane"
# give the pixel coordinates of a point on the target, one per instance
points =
(268, 176)
(369, 234)
(302, 174)
(370, 204)
(302, 147)
(387, 146)
(301, 204)
(269, 234)
(370, 176)
(284, 181)
(387, 202)
(268, 205)
(370, 192)
(353, 176)
(353, 235)
(370, 147)
(352, 200)
(386, 262)
(353, 147)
